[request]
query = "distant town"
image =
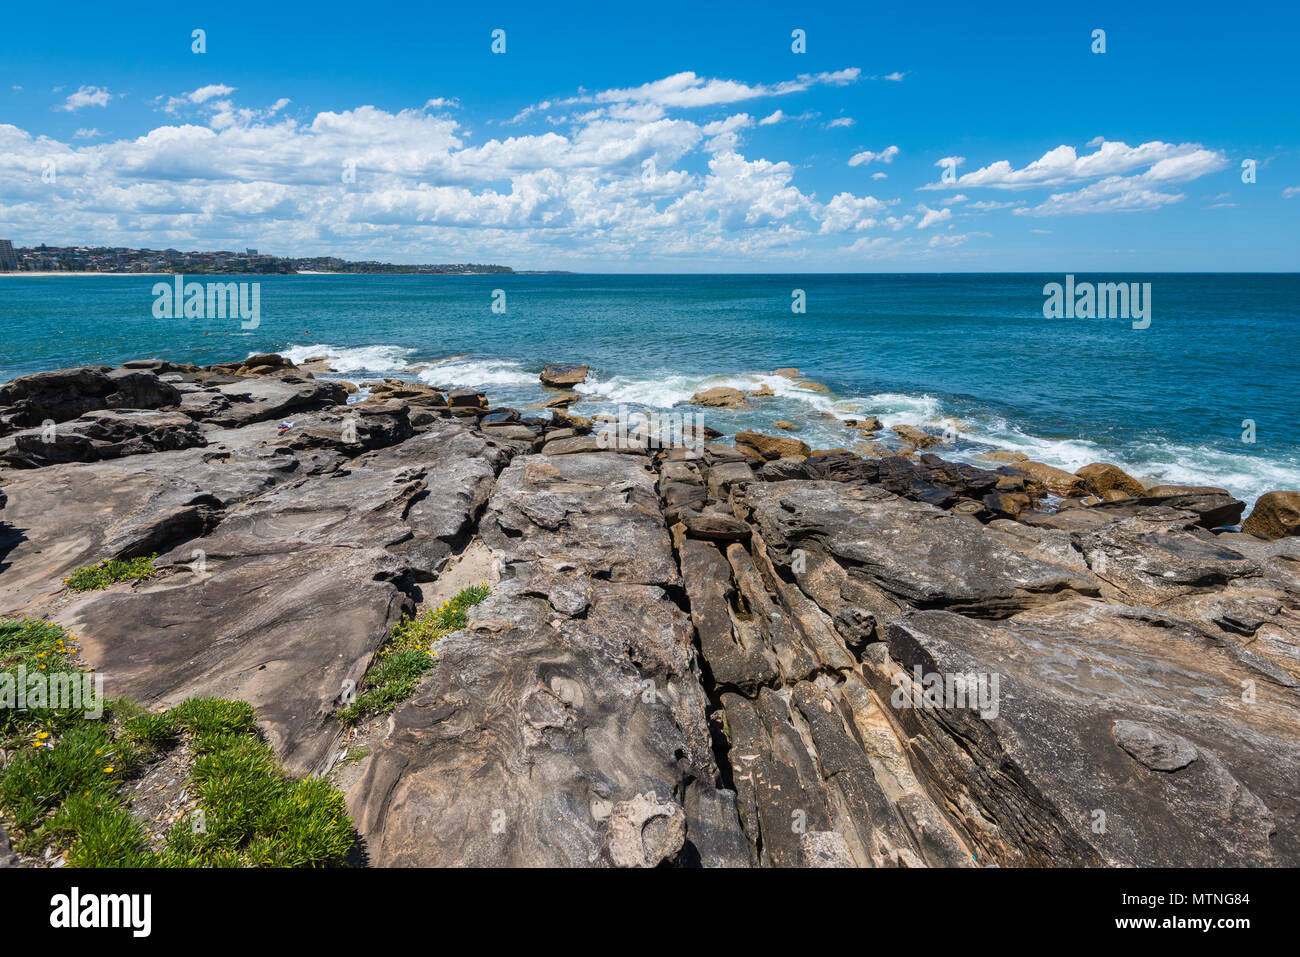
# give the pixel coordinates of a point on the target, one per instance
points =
(121, 259)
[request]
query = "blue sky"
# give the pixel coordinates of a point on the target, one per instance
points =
(667, 137)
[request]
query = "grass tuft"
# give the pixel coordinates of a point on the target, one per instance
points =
(61, 786)
(408, 654)
(110, 571)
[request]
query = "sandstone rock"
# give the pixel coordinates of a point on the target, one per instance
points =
(467, 399)
(597, 698)
(1101, 478)
(869, 425)
(643, 832)
(1000, 455)
(914, 552)
(715, 527)
(719, 397)
(762, 391)
(1275, 515)
(1121, 744)
(1215, 507)
(1056, 480)
(783, 424)
(915, 437)
(103, 434)
(771, 446)
(68, 393)
(246, 400)
(562, 374)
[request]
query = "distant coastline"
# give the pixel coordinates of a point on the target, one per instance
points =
(44, 260)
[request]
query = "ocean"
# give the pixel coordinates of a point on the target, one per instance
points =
(1177, 402)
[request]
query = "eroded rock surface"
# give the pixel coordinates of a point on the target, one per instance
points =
(695, 656)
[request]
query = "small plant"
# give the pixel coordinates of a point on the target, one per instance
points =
(110, 571)
(409, 653)
(61, 783)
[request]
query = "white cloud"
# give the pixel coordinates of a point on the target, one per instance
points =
(1115, 194)
(616, 182)
(884, 156)
(1291, 191)
(772, 118)
(846, 212)
(85, 134)
(205, 93)
(932, 216)
(686, 90)
(895, 77)
(442, 103)
(1062, 166)
(1115, 185)
(840, 121)
(86, 96)
(879, 175)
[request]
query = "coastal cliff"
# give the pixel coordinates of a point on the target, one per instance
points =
(747, 654)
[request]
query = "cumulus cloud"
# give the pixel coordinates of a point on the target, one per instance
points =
(86, 96)
(840, 122)
(619, 180)
(867, 156)
(930, 217)
(687, 89)
(1113, 183)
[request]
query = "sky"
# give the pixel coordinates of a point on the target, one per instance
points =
(671, 137)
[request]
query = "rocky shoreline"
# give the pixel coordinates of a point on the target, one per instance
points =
(719, 653)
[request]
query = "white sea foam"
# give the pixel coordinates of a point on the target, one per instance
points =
(665, 391)
(1242, 472)
(478, 373)
(376, 360)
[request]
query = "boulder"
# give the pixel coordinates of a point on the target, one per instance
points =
(870, 424)
(1001, 455)
(103, 434)
(1101, 479)
(719, 397)
(916, 437)
(246, 400)
(69, 393)
(771, 446)
(563, 374)
(1275, 515)
(1055, 480)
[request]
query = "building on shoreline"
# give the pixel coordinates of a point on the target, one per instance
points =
(8, 258)
(121, 259)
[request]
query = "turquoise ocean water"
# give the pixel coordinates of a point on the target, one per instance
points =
(972, 352)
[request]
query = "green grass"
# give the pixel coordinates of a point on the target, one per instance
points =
(110, 571)
(408, 654)
(62, 787)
